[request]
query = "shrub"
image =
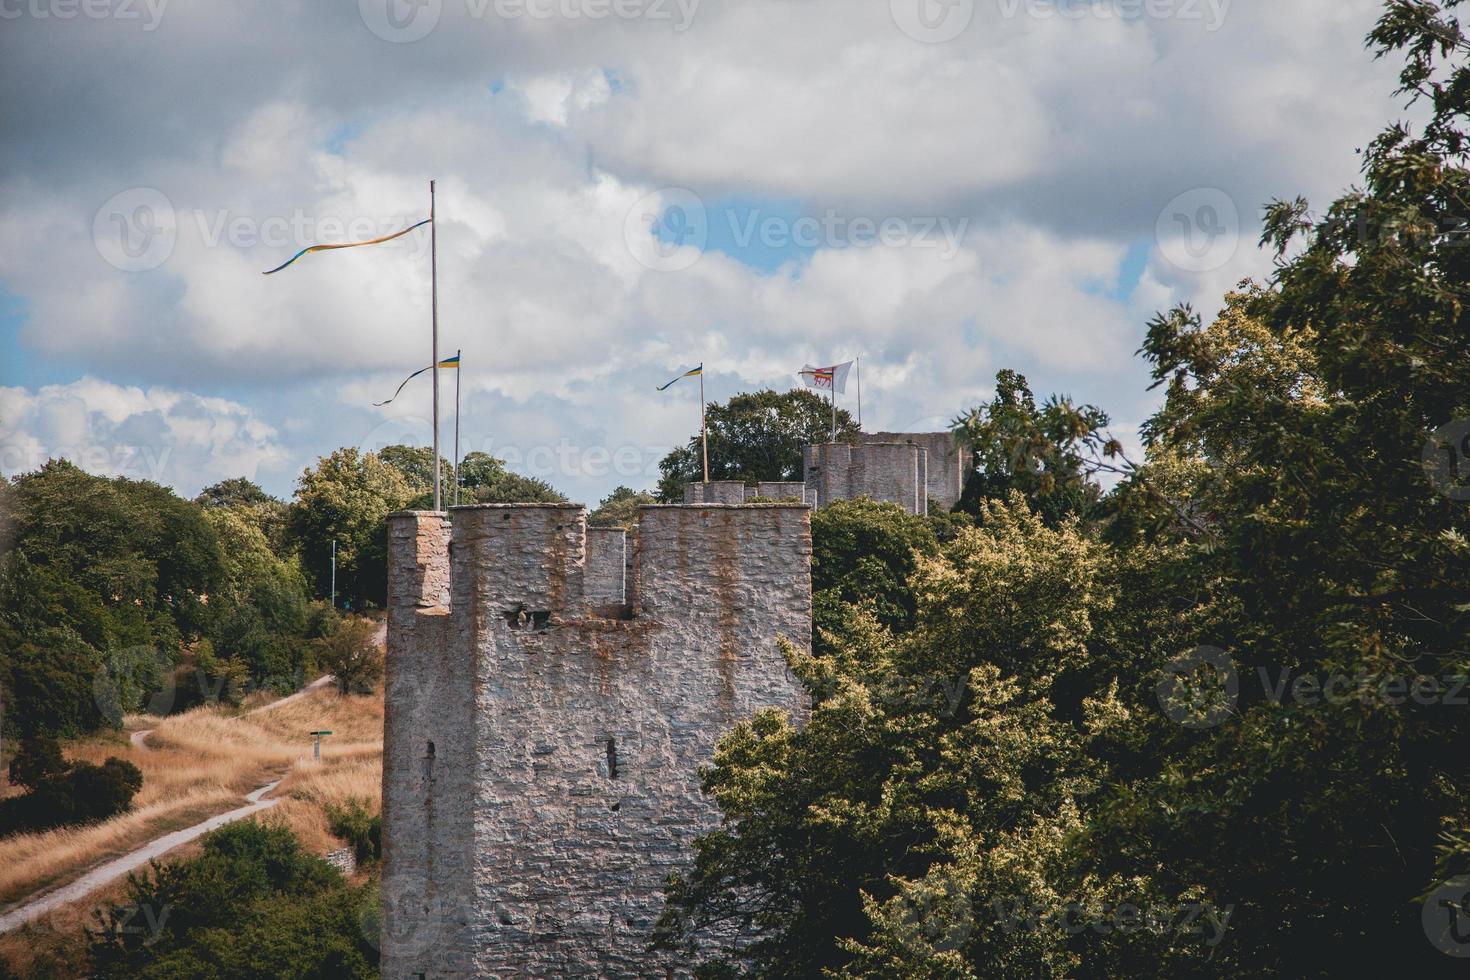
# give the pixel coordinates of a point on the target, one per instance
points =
(252, 904)
(37, 759)
(359, 827)
(77, 793)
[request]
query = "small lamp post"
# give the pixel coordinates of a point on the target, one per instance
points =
(316, 749)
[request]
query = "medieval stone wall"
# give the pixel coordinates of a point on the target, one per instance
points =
(891, 472)
(607, 566)
(948, 463)
(563, 784)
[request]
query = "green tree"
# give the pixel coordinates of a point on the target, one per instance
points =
(253, 904)
(933, 759)
(351, 654)
(346, 498)
(1049, 453)
(755, 437)
(864, 553)
(37, 759)
(235, 492)
(98, 567)
(620, 509)
(416, 463)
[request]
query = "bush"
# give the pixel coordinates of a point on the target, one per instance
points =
(37, 759)
(252, 904)
(360, 828)
(77, 793)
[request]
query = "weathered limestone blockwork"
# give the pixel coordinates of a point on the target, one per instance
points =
(563, 787)
(718, 492)
(948, 462)
(607, 566)
(892, 472)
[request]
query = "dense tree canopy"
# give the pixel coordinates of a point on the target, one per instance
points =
(346, 498)
(1207, 727)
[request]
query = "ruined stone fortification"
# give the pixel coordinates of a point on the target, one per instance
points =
(909, 470)
(549, 702)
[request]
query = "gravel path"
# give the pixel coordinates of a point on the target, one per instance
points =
(111, 871)
(115, 869)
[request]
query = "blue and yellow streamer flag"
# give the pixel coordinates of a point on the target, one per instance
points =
(449, 363)
(688, 374)
(323, 248)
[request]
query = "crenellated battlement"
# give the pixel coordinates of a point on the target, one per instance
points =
(552, 693)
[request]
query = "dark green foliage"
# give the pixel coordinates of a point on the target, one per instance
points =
(620, 509)
(755, 437)
(359, 827)
(37, 759)
(1045, 453)
(97, 566)
(237, 492)
(1285, 515)
(79, 792)
(351, 654)
(485, 480)
(416, 463)
(252, 905)
(864, 552)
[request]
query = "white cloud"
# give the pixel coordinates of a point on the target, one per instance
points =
(168, 436)
(1055, 141)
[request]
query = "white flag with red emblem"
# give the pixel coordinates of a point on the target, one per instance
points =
(828, 378)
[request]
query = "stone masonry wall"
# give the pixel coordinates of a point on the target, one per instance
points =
(892, 472)
(423, 822)
(606, 582)
(575, 739)
(948, 463)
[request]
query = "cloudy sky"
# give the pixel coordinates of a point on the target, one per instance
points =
(627, 188)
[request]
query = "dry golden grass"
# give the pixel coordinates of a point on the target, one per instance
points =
(202, 763)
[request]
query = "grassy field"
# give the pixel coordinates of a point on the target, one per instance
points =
(202, 763)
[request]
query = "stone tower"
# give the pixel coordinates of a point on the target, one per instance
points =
(549, 702)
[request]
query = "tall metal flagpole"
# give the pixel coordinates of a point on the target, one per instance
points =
(434, 292)
(704, 425)
(458, 373)
(860, 393)
(834, 406)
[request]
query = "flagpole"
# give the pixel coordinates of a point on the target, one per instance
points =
(834, 408)
(458, 373)
(704, 424)
(860, 393)
(434, 300)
